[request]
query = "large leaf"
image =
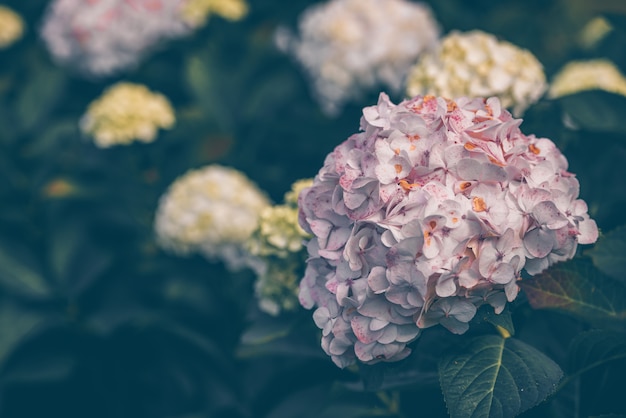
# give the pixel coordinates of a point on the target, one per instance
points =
(594, 348)
(609, 254)
(75, 261)
(496, 377)
(578, 288)
(38, 97)
(596, 110)
(18, 272)
(15, 324)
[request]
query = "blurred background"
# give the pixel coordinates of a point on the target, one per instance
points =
(97, 321)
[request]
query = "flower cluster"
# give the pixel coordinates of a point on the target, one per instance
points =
(278, 242)
(212, 210)
(103, 37)
(197, 12)
(430, 212)
(347, 46)
(127, 112)
(11, 27)
(476, 64)
(579, 76)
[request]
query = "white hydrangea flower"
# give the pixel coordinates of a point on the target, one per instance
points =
(11, 27)
(127, 112)
(579, 76)
(476, 64)
(347, 46)
(212, 210)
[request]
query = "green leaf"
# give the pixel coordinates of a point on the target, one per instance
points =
(266, 329)
(75, 262)
(38, 97)
(576, 287)
(15, 325)
(502, 320)
(609, 254)
(496, 377)
(596, 110)
(18, 273)
(594, 348)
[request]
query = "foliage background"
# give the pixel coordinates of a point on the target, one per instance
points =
(96, 321)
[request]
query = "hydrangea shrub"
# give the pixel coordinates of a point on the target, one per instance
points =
(434, 208)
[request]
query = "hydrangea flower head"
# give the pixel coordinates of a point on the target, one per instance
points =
(11, 27)
(477, 64)
(104, 37)
(278, 243)
(347, 46)
(213, 211)
(433, 209)
(127, 112)
(577, 76)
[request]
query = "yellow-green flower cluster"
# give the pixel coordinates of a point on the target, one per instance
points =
(279, 233)
(577, 76)
(477, 64)
(277, 288)
(278, 243)
(127, 112)
(197, 12)
(11, 27)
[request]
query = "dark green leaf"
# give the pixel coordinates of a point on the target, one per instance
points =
(594, 348)
(15, 325)
(266, 329)
(596, 110)
(75, 261)
(609, 254)
(18, 273)
(496, 377)
(39, 96)
(576, 287)
(42, 368)
(502, 320)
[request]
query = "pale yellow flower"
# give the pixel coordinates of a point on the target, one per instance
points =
(279, 233)
(291, 197)
(477, 64)
(212, 210)
(125, 113)
(579, 76)
(197, 12)
(11, 27)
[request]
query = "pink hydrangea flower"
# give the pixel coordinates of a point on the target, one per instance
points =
(433, 209)
(103, 37)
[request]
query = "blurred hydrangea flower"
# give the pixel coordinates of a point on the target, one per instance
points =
(476, 64)
(278, 243)
(212, 210)
(104, 37)
(579, 76)
(431, 211)
(11, 27)
(197, 12)
(347, 46)
(127, 112)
